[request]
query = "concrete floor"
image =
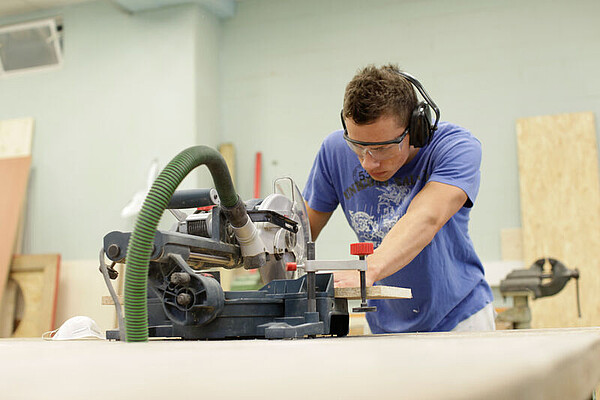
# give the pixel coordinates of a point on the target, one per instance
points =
(528, 364)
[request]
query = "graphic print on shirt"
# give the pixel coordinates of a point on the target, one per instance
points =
(374, 223)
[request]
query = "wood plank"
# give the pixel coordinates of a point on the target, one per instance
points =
(560, 210)
(350, 293)
(227, 150)
(15, 137)
(8, 308)
(108, 301)
(37, 276)
(81, 286)
(511, 244)
(374, 292)
(14, 174)
(533, 365)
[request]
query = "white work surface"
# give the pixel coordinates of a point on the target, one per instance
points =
(528, 364)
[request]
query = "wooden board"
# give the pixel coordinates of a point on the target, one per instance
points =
(8, 308)
(15, 142)
(37, 276)
(350, 293)
(14, 174)
(560, 210)
(81, 286)
(532, 365)
(511, 244)
(15, 137)
(374, 292)
(227, 150)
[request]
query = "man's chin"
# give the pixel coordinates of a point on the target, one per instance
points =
(382, 177)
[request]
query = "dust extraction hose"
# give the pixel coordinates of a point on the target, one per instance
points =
(142, 238)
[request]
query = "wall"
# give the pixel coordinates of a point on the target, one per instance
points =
(286, 63)
(271, 79)
(132, 88)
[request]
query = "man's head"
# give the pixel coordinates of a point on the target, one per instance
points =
(378, 104)
(375, 92)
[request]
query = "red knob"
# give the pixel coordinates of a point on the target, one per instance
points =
(291, 266)
(361, 249)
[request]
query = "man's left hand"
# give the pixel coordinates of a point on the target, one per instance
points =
(350, 278)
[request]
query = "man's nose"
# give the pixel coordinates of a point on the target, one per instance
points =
(368, 162)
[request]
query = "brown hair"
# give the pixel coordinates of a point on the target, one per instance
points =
(374, 92)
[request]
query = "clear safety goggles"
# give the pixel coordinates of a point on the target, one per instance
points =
(379, 151)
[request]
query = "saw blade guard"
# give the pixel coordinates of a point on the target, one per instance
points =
(286, 246)
(287, 187)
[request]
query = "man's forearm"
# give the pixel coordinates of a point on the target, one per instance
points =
(433, 206)
(402, 243)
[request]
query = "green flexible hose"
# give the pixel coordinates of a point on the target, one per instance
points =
(142, 238)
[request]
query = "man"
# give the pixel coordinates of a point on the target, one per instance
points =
(411, 199)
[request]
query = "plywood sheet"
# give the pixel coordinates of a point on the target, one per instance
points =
(511, 244)
(227, 150)
(14, 174)
(81, 288)
(37, 277)
(15, 137)
(560, 210)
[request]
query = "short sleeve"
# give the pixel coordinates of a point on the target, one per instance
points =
(457, 162)
(319, 191)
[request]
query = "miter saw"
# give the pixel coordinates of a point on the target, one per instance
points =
(184, 296)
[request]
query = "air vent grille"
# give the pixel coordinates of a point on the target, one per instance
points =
(31, 46)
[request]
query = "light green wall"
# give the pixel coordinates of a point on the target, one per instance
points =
(128, 93)
(285, 64)
(271, 79)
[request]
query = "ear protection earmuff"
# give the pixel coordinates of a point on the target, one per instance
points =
(420, 127)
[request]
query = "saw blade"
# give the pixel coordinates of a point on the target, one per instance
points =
(287, 200)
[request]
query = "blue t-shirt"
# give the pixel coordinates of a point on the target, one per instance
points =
(446, 278)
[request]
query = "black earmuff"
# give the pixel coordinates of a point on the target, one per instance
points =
(420, 127)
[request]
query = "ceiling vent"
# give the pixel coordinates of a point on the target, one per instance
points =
(31, 46)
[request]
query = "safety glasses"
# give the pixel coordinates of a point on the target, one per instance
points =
(379, 151)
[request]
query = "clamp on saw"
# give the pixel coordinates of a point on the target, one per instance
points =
(173, 290)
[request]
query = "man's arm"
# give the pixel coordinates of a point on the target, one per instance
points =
(431, 208)
(317, 220)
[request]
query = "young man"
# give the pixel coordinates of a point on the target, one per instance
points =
(411, 198)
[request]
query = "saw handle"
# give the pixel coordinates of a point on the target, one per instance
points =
(193, 198)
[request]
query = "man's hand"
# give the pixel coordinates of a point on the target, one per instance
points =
(350, 278)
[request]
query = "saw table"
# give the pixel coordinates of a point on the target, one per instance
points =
(521, 364)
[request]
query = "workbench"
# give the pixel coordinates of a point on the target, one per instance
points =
(520, 364)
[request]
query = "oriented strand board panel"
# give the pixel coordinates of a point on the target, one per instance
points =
(14, 173)
(560, 210)
(37, 276)
(511, 244)
(15, 137)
